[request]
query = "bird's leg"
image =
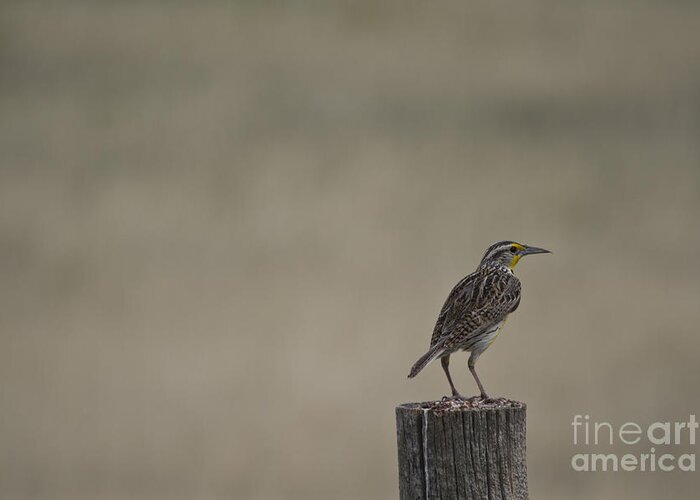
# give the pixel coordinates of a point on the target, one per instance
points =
(445, 360)
(472, 361)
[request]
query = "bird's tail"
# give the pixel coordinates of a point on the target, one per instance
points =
(425, 360)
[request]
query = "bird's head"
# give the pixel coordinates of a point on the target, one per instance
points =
(508, 253)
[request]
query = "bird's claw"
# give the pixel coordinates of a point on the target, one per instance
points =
(454, 397)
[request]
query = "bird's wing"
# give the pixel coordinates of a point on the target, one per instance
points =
(458, 297)
(493, 295)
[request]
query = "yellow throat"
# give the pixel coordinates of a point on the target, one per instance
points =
(516, 258)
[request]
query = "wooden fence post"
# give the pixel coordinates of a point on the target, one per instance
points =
(462, 450)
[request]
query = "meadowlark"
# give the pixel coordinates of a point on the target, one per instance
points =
(476, 309)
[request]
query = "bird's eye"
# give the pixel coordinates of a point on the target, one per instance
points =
(513, 249)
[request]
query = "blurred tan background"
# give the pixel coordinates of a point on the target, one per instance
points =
(226, 230)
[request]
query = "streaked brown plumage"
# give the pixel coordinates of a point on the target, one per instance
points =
(476, 309)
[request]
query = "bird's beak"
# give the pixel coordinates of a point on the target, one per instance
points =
(533, 250)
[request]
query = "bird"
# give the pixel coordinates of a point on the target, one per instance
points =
(476, 309)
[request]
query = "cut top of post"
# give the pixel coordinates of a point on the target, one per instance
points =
(472, 404)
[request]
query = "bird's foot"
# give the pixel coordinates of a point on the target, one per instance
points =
(455, 397)
(481, 398)
(496, 401)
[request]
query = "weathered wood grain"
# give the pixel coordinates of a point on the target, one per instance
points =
(462, 450)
